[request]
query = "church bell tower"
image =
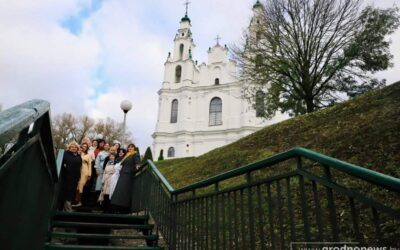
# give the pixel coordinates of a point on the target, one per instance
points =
(180, 65)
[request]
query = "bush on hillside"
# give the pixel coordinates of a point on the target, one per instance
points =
(161, 157)
(147, 155)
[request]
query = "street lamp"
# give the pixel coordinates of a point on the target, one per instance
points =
(125, 106)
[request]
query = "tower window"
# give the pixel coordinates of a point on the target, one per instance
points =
(217, 75)
(174, 111)
(178, 73)
(181, 47)
(171, 152)
(260, 98)
(215, 112)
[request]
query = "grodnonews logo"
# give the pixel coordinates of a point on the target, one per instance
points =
(339, 246)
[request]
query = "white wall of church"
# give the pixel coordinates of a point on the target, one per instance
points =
(192, 135)
(188, 144)
(194, 104)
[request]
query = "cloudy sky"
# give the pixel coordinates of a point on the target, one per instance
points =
(86, 56)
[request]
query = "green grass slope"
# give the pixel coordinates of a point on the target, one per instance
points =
(364, 131)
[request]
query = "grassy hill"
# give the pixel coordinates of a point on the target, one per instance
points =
(364, 131)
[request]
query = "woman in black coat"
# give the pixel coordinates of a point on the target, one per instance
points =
(69, 176)
(122, 196)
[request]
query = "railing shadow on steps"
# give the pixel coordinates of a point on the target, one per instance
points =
(277, 203)
(28, 175)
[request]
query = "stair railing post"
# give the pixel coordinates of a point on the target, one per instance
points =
(304, 207)
(174, 207)
(216, 213)
(251, 215)
(331, 205)
(193, 219)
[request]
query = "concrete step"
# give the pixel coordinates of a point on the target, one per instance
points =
(74, 224)
(101, 236)
(100, 218)
(52, 246)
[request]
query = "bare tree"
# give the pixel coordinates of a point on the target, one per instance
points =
(111, 130)
(66, 127)
(85, 127)
(307, 54)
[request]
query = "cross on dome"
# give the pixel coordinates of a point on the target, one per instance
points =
(187, 6)
(217, 39)
(186, 18)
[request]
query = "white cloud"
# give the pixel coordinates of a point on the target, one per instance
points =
(392, 74)
(39, 59)
(140, 120)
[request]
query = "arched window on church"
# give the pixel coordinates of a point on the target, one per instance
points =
(216, 81)
(174, 111)
(260, 99)
(171, 152)
(215, 112)
(178, 73)
(181, 49)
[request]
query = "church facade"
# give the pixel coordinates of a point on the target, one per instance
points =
(201, 107)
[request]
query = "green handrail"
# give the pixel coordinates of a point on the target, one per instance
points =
(389, 182)
(15, 119)
(238, 171)
(28, 175)
(160, 176)
(247, 210)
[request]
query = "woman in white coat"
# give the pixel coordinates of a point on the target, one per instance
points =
(109, 170)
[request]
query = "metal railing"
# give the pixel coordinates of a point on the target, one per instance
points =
(277, 203)
(27, 175)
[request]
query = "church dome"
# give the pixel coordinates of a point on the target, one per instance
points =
(257, 5)
(185, 18)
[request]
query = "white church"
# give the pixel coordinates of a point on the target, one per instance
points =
(201, 107)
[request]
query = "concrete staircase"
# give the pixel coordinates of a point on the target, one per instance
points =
(79, 230)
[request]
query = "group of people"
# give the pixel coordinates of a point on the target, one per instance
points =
(110, 179)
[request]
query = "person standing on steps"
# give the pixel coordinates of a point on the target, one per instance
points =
(120, 155)
(114, 177)
(112, 149)
(91, 148)
(122, 194)
(86, 172)
(99, 148)
(69, 176)
(109, 170)
(101, 157)
(117, 145)
(88, 188)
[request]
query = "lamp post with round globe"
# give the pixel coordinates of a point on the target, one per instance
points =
(125, 106)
